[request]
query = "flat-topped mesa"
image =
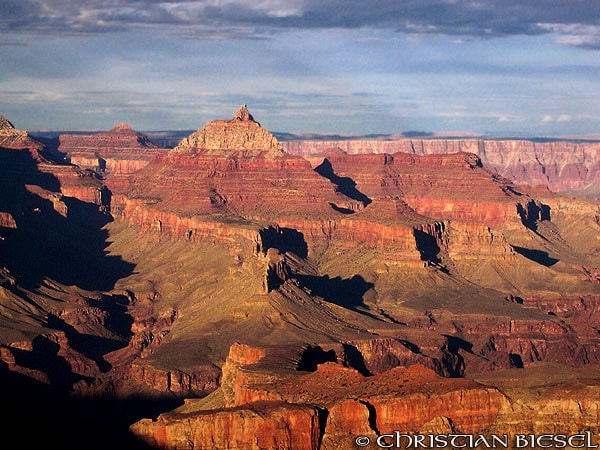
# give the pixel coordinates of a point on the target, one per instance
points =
(119, 150)
(121, 138)
(240, 136)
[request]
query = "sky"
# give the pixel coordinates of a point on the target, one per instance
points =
(482, 67)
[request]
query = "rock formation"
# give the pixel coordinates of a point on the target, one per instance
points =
(567, 167)
(120, 150)
(13, 138)
(241, 135)
(413, 400)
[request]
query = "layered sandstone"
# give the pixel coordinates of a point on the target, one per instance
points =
(23, 155)
(224, 170)
(255, 426)
(417, 212)
(562, 166)
(15, 139)
(403, 187)
(380, 204)
(240, 134)
(119, 150)
(412, 400)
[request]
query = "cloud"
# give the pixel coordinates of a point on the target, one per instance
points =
(576, 23)
(561, 118)
(576, 35)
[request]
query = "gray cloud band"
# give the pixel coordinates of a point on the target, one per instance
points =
(575, 23)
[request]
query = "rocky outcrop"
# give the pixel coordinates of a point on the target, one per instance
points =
(31, 159)
(277, 269)
(374, 200)
(472, 241)
(561, 165)
(191, 186)
(11, 137)
(241, 135)
(350, 402)
(168, 382)
(57, 199)
(255, 426)
(121, 138)
(120, 150)
(15, 139)
(439, 186)
(7, 220)
(412, 400)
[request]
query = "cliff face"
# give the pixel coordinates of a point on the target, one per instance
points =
(413, 400)
(225, 170)
(444, 218)
(562, 166)
(26, 162)
(259, 425)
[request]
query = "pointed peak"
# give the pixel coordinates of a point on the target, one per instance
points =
(243, 114)
(122, 126)
(5, 124)
(241, 135)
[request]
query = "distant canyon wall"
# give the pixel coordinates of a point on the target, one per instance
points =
(565, 167)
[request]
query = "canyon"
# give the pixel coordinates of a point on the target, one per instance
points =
(237, 291)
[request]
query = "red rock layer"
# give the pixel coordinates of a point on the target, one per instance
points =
(439, 186)
(12, 138)
(562, 166)
(259, 425)
(254, 184)
(410, 400)
(404, 209)
(27, 158)
(120, 150)
(394, 196)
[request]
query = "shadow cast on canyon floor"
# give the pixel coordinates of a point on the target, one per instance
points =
(538, 256)
(285, 240)
(45, 243)
(118, 321)
(427, 246)
(345, 185)
(38, 416)
(347, 293)
(313, 355)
